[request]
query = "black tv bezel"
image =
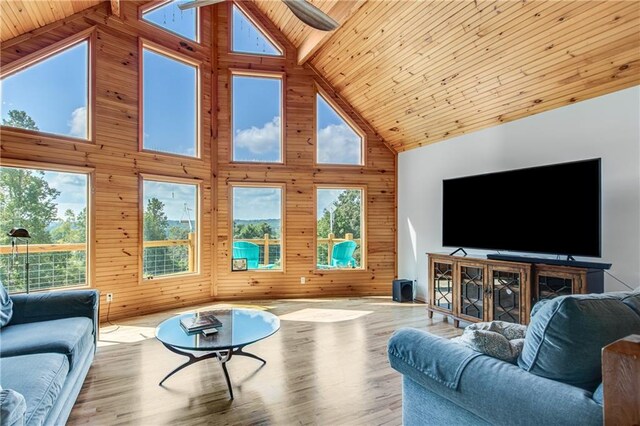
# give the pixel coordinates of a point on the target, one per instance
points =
(599, 163)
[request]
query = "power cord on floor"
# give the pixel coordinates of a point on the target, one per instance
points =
(117, 327)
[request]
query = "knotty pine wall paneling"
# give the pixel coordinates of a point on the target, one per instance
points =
(113, 154)
(299, 173)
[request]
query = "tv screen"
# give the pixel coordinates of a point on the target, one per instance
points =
(552, 209)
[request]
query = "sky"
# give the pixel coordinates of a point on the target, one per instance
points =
(256, 203)
(174, 196)
(54, 93)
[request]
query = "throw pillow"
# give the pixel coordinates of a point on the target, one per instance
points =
(565, 338)
(598, 395)
(497, 339)
(6, 306)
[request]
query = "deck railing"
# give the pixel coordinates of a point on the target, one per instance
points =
(64, 265)
(266, 242)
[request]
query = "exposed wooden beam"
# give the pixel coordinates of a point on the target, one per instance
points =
(341, 11)
(115, 8)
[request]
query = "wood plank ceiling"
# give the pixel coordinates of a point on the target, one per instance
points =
(21, 16)
(424, 71)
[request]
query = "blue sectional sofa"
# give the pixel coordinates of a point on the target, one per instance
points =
(46, 350)
(556, 380)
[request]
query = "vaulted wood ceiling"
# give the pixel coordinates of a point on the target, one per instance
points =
(424, 71)
(21, 16)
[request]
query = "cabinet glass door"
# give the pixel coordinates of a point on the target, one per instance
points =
(553, 286)
(472, 291)
(506, 295)
(443, 285)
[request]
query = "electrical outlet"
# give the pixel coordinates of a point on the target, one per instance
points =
(303, 280)
(109, 297)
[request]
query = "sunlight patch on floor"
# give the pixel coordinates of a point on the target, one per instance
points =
(324, 315)
(115, 334)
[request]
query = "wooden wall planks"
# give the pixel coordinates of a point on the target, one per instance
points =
(114, 156)
(425, 71)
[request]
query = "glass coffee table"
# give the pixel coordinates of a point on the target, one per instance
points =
(240, 327)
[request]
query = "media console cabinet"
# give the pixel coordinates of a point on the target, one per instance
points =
(475, 289)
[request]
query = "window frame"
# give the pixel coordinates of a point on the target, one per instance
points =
(347, 119)
(243, 9)
(275, 75)
(41, 55)
(152, 5)
(90, 255)
(163, 51)
(363, 228)
(142, 177)
(283, 202)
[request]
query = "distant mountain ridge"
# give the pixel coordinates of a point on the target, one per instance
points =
(274, 223)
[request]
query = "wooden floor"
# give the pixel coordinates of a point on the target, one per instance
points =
(324, 373)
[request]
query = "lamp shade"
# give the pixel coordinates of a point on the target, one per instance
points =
(19, 233)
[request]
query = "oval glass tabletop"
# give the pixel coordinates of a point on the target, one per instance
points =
(240, 327)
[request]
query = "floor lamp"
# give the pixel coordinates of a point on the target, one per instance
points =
(16, 234)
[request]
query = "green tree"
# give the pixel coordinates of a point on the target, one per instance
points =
(156, 223)
(347, 219)
(19, 119)
(248, 231)
(27, 201)
(73, 228)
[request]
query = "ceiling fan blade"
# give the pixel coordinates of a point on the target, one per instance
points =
(311, 15)
(197, 3)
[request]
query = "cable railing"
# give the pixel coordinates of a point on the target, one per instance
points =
(65, 265)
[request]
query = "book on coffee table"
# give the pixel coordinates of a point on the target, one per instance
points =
(201, 321)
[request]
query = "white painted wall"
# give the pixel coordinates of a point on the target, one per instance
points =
(607, 127)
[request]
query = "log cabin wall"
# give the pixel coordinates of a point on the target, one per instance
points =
(115, 234)
(300, 174)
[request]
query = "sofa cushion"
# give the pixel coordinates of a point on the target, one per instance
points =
(68, 336)
(565, 338)
(12, 408)
(6, 306)
(39, 378)
(598, 395)
(633, 301)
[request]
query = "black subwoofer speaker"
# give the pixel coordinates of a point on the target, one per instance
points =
(402, 291)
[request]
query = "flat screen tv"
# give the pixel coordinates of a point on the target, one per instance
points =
(552, 209)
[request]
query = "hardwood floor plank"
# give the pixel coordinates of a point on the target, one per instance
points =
(318, 373)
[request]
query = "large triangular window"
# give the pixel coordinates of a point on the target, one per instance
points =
(247, 37)
(168, 16)
(51, 95)
(337, 140)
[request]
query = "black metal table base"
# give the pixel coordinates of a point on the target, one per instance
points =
(223, 356)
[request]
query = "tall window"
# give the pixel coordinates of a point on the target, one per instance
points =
(169, 104)
(170, 228)
(338, 141)
(168, 16)
(257, 227)
(340, 228)
(51, 95)
(246, 37)
(52, 206)
(257, 112)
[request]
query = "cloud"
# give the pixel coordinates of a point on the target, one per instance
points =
(256, 203)
(78, 123)
(339, 144)
(174, 196)
(260, 141)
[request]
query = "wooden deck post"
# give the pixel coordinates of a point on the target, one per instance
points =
(348, 237)
(191, 250)
(266, 249)
(621, 381)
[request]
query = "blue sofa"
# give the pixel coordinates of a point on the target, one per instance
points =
(556, 380)
(46, 350)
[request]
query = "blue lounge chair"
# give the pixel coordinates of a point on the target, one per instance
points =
(249, 251)
(342, 255)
